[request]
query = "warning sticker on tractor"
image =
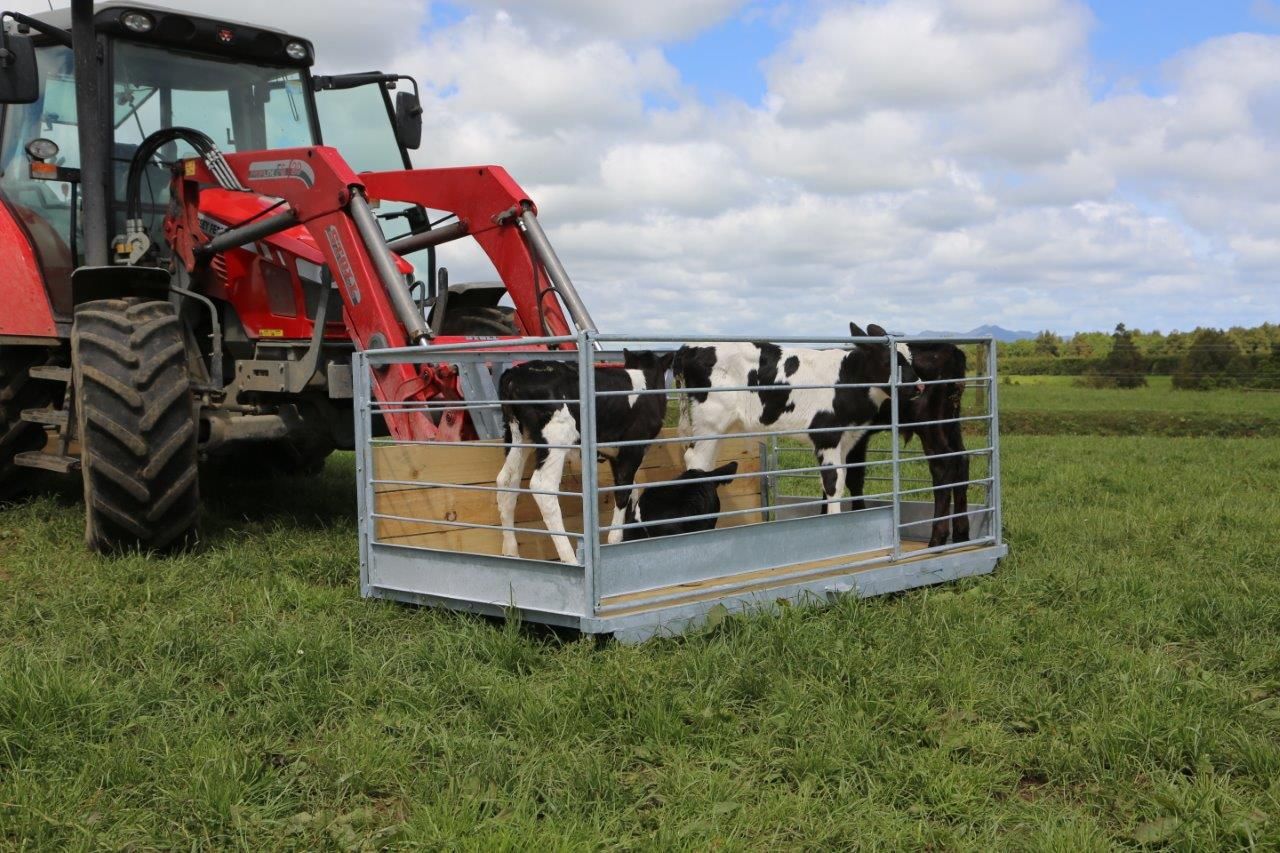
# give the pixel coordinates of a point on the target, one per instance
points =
(345, 272)
(298, 170)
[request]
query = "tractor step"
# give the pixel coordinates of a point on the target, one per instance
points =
(51, 372)
(48, 461)
(49, 417)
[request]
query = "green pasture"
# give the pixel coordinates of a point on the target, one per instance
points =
(1116, 683)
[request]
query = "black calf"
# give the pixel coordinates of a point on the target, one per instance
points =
(938, 402)
(667, 507)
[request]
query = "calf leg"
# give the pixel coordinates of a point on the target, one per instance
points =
(857, 477)
(547, 475)
(831, 460)
(509, 478)
(939, 472)
(960, 494)
(624, 467)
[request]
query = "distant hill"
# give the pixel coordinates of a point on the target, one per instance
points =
(998, 332)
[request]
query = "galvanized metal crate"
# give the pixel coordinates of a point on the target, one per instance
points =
(427, 532)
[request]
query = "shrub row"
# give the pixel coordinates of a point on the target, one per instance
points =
(1164, 424)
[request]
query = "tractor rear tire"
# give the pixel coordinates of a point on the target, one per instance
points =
(480, 321)
(137, 426)
(19, 391)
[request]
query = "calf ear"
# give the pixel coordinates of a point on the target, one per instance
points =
(856, 331)
(876, 331)
(728, 469)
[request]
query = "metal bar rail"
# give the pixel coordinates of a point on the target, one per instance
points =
(587, 353)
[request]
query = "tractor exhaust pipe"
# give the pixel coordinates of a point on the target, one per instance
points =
(415, 325)
(546, 255)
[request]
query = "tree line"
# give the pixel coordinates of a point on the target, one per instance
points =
(1203, 358)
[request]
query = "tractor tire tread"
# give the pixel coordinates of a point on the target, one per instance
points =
(137, 426)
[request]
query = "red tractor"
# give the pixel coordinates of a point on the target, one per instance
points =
(189, 261)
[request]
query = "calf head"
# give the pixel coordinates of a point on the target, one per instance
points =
(941, 361)
(878, 357)
(653, 365)
(664, 508)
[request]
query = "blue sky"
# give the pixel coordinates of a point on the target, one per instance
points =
(1132, 37)
(725, 60)
(1129, 41)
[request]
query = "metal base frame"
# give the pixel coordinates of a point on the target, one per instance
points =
(546, 592)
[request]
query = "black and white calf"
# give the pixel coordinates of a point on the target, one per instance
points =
(840, 413)
(629, 417)
(943, 443)
(671, 509)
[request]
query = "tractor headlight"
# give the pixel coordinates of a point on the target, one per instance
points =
(296, 51)
(42, 149)
(137, 22)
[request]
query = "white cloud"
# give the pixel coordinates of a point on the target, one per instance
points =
(909, 54)
(648, 20)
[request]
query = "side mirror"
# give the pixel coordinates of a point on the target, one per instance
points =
(408, 120)
(19, 76)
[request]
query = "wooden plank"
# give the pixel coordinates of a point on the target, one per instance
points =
(479, 466)
(478, 463)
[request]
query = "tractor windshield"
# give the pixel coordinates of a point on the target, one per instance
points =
(243, 107)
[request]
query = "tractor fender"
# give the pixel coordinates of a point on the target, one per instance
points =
(27, 312)
(90, 283)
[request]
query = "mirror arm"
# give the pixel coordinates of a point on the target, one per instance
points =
(58, 34)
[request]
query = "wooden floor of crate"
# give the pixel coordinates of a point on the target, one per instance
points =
(760, 580)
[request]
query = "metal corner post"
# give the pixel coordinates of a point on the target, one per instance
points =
(587, 442)
(997, 530)
(364, 466)
(896, 451)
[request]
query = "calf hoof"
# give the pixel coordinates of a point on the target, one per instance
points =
(615, 536)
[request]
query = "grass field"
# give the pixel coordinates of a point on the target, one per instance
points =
(1060, 394)
(1117, 681)
(1054, 405)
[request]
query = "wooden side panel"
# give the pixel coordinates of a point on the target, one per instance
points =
(478, 465)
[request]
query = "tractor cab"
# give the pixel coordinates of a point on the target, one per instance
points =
(199, 232)
(248, 88)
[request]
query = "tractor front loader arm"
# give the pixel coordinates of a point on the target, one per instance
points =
(488, 204)
(319, 191)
